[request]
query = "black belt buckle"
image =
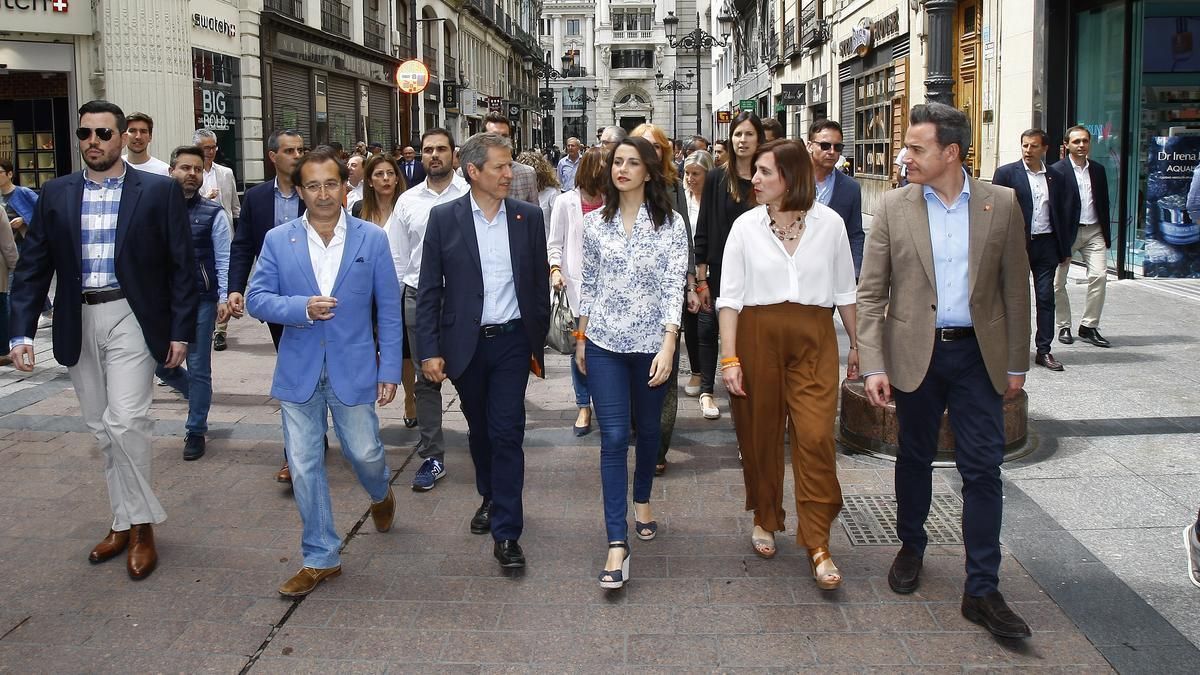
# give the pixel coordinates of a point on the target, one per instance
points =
(491, 331)
(101, 297)
(952, 334)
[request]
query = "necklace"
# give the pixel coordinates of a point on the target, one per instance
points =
(790, 233)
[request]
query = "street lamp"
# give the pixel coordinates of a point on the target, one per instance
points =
(584, 99)
(674, 86)
(542, 69)
(697, 40)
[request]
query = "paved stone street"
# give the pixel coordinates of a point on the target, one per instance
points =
(1094, 559)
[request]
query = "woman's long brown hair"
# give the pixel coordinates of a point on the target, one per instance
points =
(372, 207)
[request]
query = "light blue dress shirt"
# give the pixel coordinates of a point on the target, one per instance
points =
(949, 232)
(287, 209)
(222, 238)
(825, 189)
(495, 259)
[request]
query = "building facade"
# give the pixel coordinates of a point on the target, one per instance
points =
(499, 45)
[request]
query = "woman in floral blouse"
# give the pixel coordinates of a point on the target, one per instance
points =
(635, 253)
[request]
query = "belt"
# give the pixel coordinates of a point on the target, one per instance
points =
(100, 297)
(1042, 235)
(493, 330)
(952, 334)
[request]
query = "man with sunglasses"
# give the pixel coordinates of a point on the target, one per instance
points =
(834, 188)
(120, 244)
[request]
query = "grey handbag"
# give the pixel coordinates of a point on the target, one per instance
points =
(562, 324)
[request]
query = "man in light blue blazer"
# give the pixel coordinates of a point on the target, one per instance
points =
(319, 276)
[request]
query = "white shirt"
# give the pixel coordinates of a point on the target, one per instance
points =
(405, 228)
(495, 261)
(354, 195)
(151, 165)
(1087, 205)
(758, 271)
(693, 207)
(326, 259)
(1040, 189)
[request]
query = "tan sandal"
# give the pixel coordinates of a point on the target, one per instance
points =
(765, 548)
(828, 580)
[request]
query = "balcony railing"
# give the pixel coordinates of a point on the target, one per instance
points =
(373, 35)
(451, 68)
(813, 31)
(575, 71)
(290, 8)
(633, 34)
(789, 38)
(489, 10)
(431, 59)
(405, 45)
(335, 17)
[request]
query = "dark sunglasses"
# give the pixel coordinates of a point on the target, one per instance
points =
(103, 133)
(826, 145)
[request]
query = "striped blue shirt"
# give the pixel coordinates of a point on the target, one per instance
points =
(98, 231)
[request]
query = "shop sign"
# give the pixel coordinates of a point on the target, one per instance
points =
(818, 90)
(792, 94)
(218, 109)
(724, 117)
(495, 104)
(412, 77)
(1172, 192)
(450, 95)
(213, 24)
(46, 16)
(869, 33)
(748, 104)
(514, 110)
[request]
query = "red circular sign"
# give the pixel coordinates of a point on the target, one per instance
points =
(412, 77)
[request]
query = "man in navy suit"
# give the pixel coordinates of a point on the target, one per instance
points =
(834, 188)
(483, 309)
(320, 276)
(121, 245)
(265, 206)
(1082, 207)
(1045, 238)
(411, 167)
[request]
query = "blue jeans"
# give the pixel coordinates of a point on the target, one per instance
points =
(579, 381)
(304, 426)
(195, 381)
(619, 381)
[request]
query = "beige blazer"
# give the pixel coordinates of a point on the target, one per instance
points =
(8, 251)
(897, 297)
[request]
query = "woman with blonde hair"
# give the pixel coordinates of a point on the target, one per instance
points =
(786, 266)
(547, 183)
(564, 248)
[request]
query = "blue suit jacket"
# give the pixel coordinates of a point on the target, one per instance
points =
(255, 220)
(1067, 202)
(345, 345)
(846, 200)
(450, 294)
(1013, 176)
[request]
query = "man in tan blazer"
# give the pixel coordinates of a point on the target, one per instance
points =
(943, 319)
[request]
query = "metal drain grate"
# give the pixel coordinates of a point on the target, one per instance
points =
(870, 520)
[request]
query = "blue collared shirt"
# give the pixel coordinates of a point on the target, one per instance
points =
(566, 172)
(949, 232)
(825, 189)
(287, 209)
(495, 259)
(98, 231)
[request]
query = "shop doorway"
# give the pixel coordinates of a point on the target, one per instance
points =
(35, 133)
(631, 123)
(966, 83)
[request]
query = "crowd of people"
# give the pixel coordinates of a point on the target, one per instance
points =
(381, 275)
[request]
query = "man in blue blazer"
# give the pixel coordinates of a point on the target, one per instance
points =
(1046, 240)
(483, 309)
(264, 207)
(834, 188)
(411, 167)
(319, 277)
(121, 245)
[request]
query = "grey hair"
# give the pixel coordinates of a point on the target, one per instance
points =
(614, 134)
(953, 126)
(202, 134)
(273, 141)
(577, 141)
(475, 151)
(700, 157)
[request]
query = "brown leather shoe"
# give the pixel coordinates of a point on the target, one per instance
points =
(306, 580)
(383, 512)
(142, 556)
(284, 475)
(1048, 361)
(109, 547)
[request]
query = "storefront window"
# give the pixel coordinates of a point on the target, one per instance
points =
(217, 101)
(873, 122)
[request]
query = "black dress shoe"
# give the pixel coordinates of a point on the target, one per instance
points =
(1048, 361)
(482, 522)
(1093, 336)
(509, 553)
(410, 422)
(193, 447)
(991, 612)
(905, 574)
(219, 342)
(1064, 336)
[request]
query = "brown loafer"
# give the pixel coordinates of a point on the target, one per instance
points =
(143, 558)
(382, 512)
(109, 547)
(1048, 361)
(284, 475)
(306, 580)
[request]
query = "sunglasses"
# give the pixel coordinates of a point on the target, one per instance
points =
(103, 133)
(826, 145)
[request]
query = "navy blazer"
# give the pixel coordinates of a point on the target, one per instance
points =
(418, 172)
(450, 293)
(256, 219)
(846, 200)
(1013, 176)
(155, 263)
(1068, 205)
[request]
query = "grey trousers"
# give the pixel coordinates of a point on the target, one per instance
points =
(427, 394)
(114, 383)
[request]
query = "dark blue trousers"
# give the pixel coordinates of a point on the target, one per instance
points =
(492, 393)
(1043, 262)
(957, 378)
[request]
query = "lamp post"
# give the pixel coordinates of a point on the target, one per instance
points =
(542, 69)
(585, 100)
(674, 86)
(697, 40)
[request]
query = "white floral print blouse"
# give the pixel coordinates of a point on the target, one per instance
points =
(632, 287)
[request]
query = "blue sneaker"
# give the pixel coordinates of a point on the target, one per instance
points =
(431, 471)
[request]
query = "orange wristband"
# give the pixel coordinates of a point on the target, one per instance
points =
(578, 335)
(731, 361)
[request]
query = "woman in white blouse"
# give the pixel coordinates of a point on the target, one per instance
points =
(787, 264)
(634, 264)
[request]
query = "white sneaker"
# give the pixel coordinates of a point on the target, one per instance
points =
(708, 407)
(1191, 546)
